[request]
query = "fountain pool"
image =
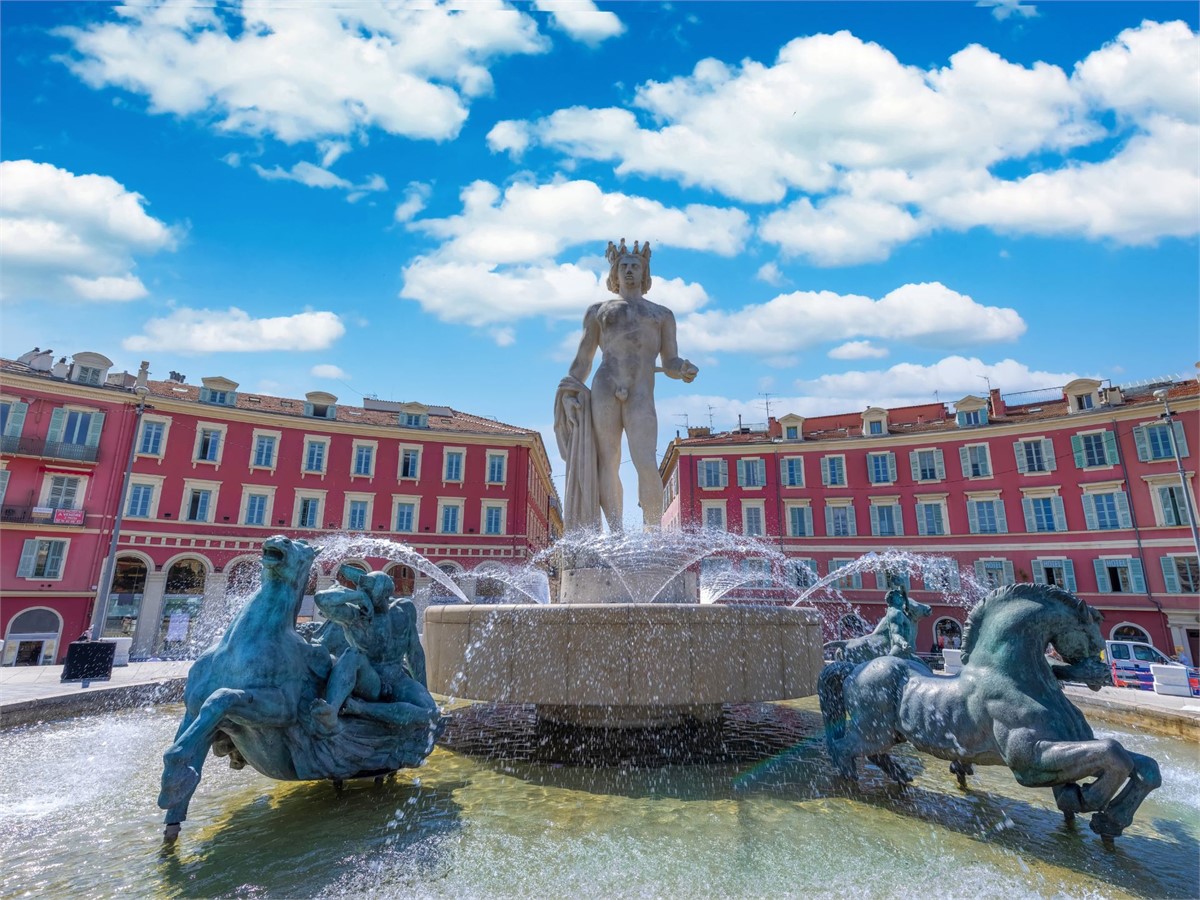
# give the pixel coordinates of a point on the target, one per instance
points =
(77, 818)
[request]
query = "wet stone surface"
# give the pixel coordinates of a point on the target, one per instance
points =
(745, 732)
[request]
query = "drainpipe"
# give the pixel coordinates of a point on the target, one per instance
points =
(101, 607)
(1133, 521)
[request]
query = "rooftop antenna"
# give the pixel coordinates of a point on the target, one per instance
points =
(710, 417)
(989, 382)
(766, 402)
(686, 423)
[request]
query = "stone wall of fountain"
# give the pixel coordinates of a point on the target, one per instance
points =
(623, 665)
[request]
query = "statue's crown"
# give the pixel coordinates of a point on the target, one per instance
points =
(615, 252)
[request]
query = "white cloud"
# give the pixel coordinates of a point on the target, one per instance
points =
(233, 330)
(1003, 9)
(415, 197)
(328, 370)
(581, 20)
(304, 173)
(304, 72)
(866, 153)
(769, 273)
(331, 152)
(857, 350)
(67, 236)
(926, 314)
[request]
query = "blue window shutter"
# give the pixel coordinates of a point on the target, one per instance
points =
(724, 473)
(760, 466)
(914, 461)
(1102, 584)
(1060, 513)
(880, 580)
(1019, 452)
(1124, 518)
(1069, 574)
(891, 461)
(898, 522)
(850, 517)
(28, 555)
(1030, 521)
(1009, 576)
(980, 572)
(1001, 519)
(1170, 576)
(964, 459)
(741, 470)
(1180, 439)
(1089, 512)
(960, 419)
(308, 409)
(94, 428)
(4, 473)
(1077, 449)
(972, 517)
(825, 471)
(1039, 572)
(1164, 501)
(783, 473)
(1048, 454)
(205, 395)
(1110, 447)
(808, 529)
(828, 521)
(1137, 575)
(16, 419)
(1141, 442)
(57, 421)
(920, 518)
(939, 463)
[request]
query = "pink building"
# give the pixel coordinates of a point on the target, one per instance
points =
(216, 470)
(1076, 486)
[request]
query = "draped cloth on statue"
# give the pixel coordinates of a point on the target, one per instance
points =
(577, 445)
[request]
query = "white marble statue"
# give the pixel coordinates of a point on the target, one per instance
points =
(631, 333)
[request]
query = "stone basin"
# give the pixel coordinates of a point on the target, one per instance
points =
(623, 665)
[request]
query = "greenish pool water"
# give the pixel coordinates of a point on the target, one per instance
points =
(77, 818)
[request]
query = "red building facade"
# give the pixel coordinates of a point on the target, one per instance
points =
(216, 470)
(1078, 486)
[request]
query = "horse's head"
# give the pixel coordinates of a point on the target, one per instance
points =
(1082, 650)
(287, 561)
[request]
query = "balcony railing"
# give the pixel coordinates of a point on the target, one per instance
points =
(42, 515)
(34, 446)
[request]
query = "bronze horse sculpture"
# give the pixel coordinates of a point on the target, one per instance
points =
(1006, 707)
(256, 697)
(895, 635)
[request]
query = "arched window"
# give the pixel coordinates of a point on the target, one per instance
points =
(125, 597)
(1127, 631)
(33, 637)
(181, 606)
(34, 621)
(852, 626)
(452, 570)
(947, 634)
(186, 577)
(403, 580)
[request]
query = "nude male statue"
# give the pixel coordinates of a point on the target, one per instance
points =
(632, 333)
(381, 672)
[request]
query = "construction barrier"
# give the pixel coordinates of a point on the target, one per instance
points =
(1133, 674)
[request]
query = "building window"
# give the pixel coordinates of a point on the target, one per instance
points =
(986, 517)
(800, 521)
(751, 473)
(1153, 441)
(930, 519)
(140, 497)
(927, 465)
(218, 398)
(875, 427)
(839, 521)
(714, 516)
(1094, 449)
(1120, 576)
(493, 520)
(454, 466)
(406, 517)
(356, 517)
(833, 471)
(495, 468)
(885, 520)
(881, 467)
(450, 515)
(1044, 514)
(364, 459)
(971, 417)
(41, 558)
(198, 505)
(76, 427)
(792, 433)
(1058, 572)
(791, 471)
(1106, 511)
(256, 509)
(414, 420)
(994, 573)
(713, 473)
(975, 461)
(1181, 574)
(209, 447)
(264, 451)
(314, 456)
(1084, 401)
(1173, 504)
(152, 438)
(309, 512)
(1035, 456)
(410, 463)
(63, 492)
(851, 581)
(752, 521)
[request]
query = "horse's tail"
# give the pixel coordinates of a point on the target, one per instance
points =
(834, 649)
(833, 699)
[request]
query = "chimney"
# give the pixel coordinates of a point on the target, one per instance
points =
(996, 404)
(774, 429)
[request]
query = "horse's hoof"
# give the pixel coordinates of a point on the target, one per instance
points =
(1107, 827)
(171, 832)
(1069, 818)
(1108, 842)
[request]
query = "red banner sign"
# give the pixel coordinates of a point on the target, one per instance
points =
(68, 517)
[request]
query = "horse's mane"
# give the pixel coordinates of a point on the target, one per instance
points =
(1039, 592)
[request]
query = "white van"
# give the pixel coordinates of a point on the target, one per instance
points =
(1137, 652)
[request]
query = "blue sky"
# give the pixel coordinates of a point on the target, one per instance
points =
(849, 203)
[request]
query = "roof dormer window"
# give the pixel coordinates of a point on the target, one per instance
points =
(320, 405)
(1082, 394)
(218, 391)
(875, 421)
(89, 368)
(970, 411)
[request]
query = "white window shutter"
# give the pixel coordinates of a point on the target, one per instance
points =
(853, 525)
(28, 555)
(1124, 518)
(921, 529)
(1102, 584)
(825, 471)
(1060, 514)
(1030, 521)
(964, 459)
(1048, 454)
(891, 460)
(1009, 576)
(1141, 442)
(939, 463)
(57, 420)
(1039, 572)
(1019, 452)
(1069, 574)
(16, 419)
(1089, 512)
(914, 461)
(1170, 576)
(1001, 518)
(972, 517)
(724, 473)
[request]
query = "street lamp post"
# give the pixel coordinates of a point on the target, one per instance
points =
(102, 597)
(1166, 416)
